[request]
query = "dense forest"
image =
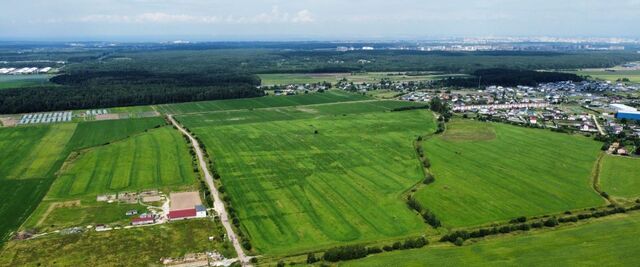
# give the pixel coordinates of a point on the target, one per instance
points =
(508, 77)
(110, 89)
(253, 60)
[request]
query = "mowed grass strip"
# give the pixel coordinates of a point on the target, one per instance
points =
(606, 242)
(294, 189)
(620, 176)
(518, 172)
(158, 158)
(261, 102)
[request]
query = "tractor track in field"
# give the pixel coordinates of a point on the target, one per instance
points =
(217, 201)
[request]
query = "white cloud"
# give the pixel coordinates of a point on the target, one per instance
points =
(274, 16)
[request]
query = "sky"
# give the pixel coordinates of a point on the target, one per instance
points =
(104, 20)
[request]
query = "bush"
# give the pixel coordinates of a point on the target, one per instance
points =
(521, 219)
(428, 179)
(459, 241)
(345, 253)
(374, 250)
(311, 258)
(551, 222)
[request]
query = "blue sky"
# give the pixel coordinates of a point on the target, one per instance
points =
(314, 19)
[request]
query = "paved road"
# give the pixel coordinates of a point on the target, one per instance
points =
(218, 205)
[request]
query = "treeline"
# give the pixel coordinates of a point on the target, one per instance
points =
(100, 90)
(360, 251)
(521, 224)
(508, 77)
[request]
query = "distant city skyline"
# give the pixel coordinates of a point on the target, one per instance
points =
(201, 20)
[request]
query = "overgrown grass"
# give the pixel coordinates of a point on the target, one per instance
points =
(126, 247)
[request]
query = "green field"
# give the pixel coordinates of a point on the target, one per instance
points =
(29, 156)
(632, 75)
(304, 78)
(488, 172)
(96, 133)
(294, 189)
(153, 160)
(620, 176)
(260, 102)
(605, 242)
(18, 81)
(126, 247)
(288, 113)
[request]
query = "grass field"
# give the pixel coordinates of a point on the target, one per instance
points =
(96, 133)
(296, 190)
(289, 113)
(304, 78)
(260, 102)
(620, 176)
(606, 242)
(632, 75)
(487, 172)
(28, 159)
(18, 81)
(153, 160)
(127, 247)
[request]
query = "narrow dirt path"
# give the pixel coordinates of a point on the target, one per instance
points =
(218, 205)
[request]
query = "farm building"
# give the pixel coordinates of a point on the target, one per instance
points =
(197, 211)
(143, 219)
(630, 115)
(186, 205)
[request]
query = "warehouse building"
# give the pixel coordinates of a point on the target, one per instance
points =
(629, 115)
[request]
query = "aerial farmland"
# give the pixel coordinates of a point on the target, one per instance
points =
(273, 154)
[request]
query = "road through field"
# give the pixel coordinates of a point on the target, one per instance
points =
(217, 202)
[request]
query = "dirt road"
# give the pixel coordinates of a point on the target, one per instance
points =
(217, 201)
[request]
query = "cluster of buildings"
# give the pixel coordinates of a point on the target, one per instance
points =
(588, 107)
(50, 117)
(293, 89)
(27, 70)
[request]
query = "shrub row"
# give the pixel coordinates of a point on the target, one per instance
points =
(456, 236)
(360, 251)
(428, 216)
(410, 108)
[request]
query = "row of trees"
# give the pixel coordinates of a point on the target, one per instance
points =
(508, 77)
(360, 251)
(519, 224)
(428, 216)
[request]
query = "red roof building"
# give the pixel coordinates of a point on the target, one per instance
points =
(142, 220)
(182, 214)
